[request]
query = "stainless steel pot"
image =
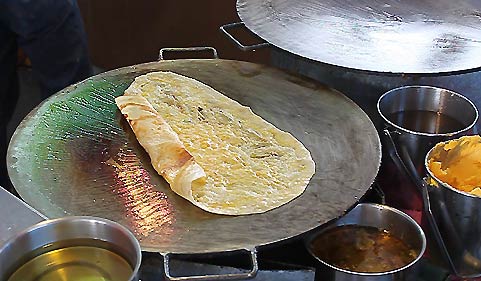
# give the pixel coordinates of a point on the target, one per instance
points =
(416, 143)
(382, 217)
(69, 232)
(458, 216)
(414, 135)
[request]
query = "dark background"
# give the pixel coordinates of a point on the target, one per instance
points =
(127, 32)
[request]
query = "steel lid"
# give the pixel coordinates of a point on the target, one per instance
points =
(408, 36)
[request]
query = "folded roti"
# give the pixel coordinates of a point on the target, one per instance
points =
(167, 153)
(213, 151)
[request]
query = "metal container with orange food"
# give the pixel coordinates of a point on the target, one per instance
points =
(454, 190)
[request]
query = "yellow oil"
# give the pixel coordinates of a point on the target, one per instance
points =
(77, 263)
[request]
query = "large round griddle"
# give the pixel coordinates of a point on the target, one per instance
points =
(76, 155)
(397, 36)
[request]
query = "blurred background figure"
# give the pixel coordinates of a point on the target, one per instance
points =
(52, 36)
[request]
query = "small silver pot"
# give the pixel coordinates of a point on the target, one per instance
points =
(412, 146)
(426, 98)
(382, 217)
(69, 232)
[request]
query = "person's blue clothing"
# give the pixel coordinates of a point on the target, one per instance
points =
(51, 34)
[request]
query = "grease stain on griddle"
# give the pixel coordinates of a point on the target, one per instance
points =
(303, 82)
(247, 70)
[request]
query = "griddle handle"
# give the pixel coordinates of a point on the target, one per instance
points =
(234, 276)
(188, 49)
(225, 29)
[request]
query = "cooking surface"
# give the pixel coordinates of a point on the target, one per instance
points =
(76, 155)
(408, 36)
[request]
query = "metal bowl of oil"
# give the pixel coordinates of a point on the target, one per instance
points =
(71, 248)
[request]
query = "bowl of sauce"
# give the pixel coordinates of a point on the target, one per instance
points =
(71, 248)
(371, 242)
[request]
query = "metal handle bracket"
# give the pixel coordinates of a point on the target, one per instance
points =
(234, 276)
(188, 49)
(225, 29)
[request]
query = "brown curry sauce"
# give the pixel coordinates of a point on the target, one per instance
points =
(362, 249)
